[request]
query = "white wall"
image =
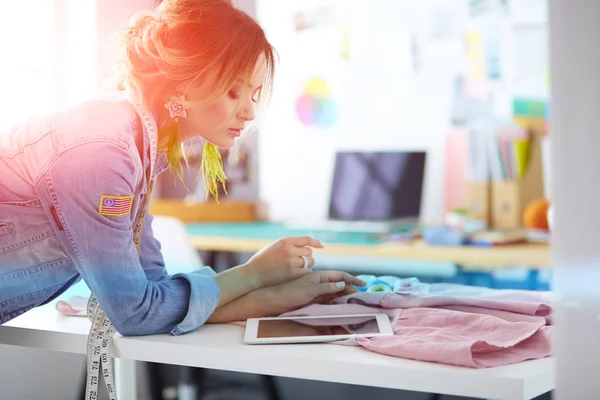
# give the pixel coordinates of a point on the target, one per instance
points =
(384, 103)
(574, 126)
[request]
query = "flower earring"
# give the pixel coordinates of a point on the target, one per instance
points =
(211, 167)
(176, 107)
(177, 110)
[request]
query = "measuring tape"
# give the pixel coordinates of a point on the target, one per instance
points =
(99, 344)
(99, 352)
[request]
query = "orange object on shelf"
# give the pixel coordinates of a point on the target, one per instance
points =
(535, 215)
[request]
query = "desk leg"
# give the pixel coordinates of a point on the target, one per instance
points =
(125, 379)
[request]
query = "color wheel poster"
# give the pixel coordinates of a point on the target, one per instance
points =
(320, 48)
(316, 105)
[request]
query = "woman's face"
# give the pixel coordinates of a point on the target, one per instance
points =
(222, 122)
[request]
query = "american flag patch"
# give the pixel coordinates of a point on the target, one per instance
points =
(115, 206)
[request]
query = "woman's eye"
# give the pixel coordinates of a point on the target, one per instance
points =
(256, 96)
(234, 95)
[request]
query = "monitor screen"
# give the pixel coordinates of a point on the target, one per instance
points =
(377, 186)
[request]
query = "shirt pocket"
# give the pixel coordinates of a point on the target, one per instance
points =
(27, 239)
(33, 264)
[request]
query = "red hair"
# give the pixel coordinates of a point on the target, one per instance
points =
(183, 40)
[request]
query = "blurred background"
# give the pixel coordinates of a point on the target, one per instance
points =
(393, 123)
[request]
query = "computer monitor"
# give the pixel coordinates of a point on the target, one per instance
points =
(377, 186)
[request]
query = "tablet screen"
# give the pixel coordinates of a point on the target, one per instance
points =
(327, 326)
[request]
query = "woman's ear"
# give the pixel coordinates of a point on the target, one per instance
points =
(181, 87)
(184, 87)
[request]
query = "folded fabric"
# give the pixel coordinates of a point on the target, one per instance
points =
(418, 294)
(453, 324)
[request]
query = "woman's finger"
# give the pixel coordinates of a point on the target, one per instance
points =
(326, 298)
(339, 276)
(321, 289)
(304, 241)
(302, 251)
(354, 281)
(303, 262)
(348, 290)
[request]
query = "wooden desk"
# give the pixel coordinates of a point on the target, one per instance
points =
(221, 347)
(533, 255)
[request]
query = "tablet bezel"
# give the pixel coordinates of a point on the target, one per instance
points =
(250, 334)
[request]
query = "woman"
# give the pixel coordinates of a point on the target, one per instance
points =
(74, 186)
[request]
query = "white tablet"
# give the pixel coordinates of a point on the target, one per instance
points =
(316, 329)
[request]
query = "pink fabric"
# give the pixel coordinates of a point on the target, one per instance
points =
(76, 306)
(445, 294)
(453, 324)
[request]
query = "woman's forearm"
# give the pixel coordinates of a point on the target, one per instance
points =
(259, 303)
(235, 283)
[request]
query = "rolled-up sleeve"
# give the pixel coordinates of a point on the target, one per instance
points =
(134, 290)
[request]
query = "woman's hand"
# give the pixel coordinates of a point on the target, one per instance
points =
(314, 287)
(283, 260)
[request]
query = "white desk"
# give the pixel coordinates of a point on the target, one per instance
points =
(221, 347)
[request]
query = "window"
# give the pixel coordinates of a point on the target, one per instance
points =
(48, 56)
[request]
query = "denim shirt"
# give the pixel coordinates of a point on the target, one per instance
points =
(55, 227)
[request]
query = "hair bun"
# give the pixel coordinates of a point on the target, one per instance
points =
(139, 24)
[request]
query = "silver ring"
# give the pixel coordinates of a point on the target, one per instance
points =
(305, 259)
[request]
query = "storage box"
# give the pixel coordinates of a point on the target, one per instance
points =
(478, 201)
(209, 211)
(510, 198)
